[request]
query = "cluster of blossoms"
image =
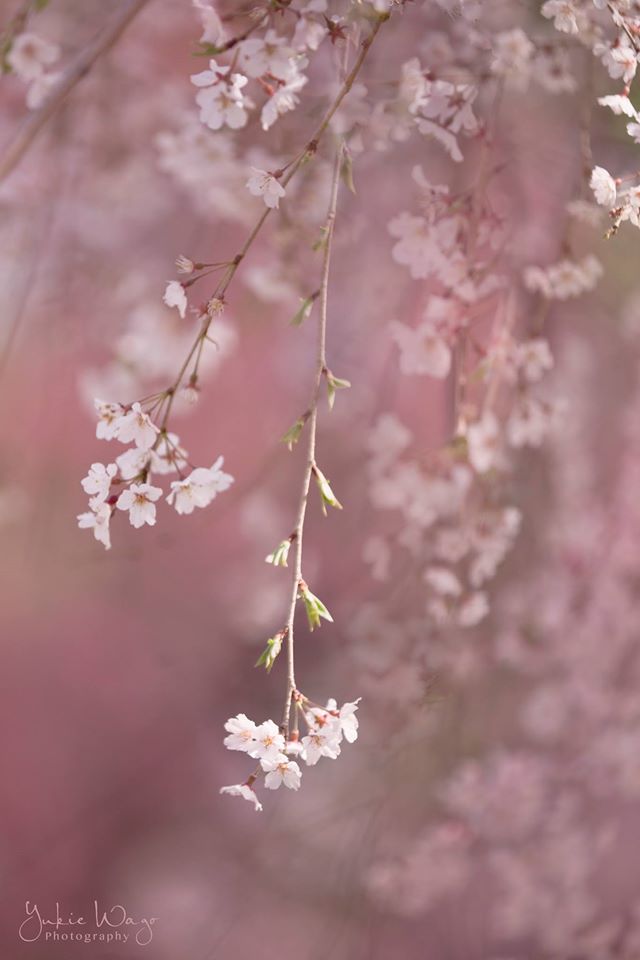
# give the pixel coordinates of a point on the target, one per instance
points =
(612, 32)
(539, 816)
(326, 728)
(30, 58)
(564, 280)
(125, 484)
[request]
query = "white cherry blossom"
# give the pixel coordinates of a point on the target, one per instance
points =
(175, 296)
(243, 790)
(263, 184)
(242, 733)
(422, 350)
(137, 427)
(199, 489)
(268, 742)
(97, 519)
(319, 744)
(280, 770)
(604, 187)
(221, 100)
(109, 415)
(285, 98)
(483, 439)
(139, 500)
(30, 55)
(97, 483)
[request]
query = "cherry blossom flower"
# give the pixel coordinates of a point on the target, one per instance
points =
(284, 99)
(133, 462)
(269, 54)
(30, 55)
(97, 483)
(604, 187)
(280, 770)
(243, 790)
(534, 358)
(137, 427)
(512, 56)
(268, 742)
(483, 439)
(319, 744)
(619, 105)
(40, 88)
(422, 350)
(199, 489)
(175, 296)
(98, 521)
(109, 415)
(242, 733)
(563, 13)
(185, 265)
(221, 100)
(264, 184)
(346, 719)
(212, 29)
(139, 499)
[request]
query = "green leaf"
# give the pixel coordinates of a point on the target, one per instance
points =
(346, 171)
(292, 435)
(306, 305)
(333, 384)
(314, 607)
(321, 243)
(280, 555)
(328, 497)
(270, 653)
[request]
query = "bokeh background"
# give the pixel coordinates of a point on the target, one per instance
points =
(490, 808)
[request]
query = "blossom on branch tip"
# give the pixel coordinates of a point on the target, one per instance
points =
(263, 184)
(175, 296)
(243, 790)
(98, 521)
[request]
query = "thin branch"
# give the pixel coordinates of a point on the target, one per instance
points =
(34, 123)
(321, 366)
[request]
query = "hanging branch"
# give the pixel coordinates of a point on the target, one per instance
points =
(34, 123)
(321, 370)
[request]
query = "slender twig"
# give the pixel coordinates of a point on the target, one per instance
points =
(34, 123)
(321, 366)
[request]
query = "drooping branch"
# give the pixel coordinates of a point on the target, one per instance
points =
(34, 123)
(321, 367)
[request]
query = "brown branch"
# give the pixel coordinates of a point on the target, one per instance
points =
(34, 123)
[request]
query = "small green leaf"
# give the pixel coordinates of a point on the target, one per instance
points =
(346, 171)
(321, 243)
(328, 497)
(333, 384)
(280, 555)
(270, 653)
(292, 435)
(314, 607)
(306, 305)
